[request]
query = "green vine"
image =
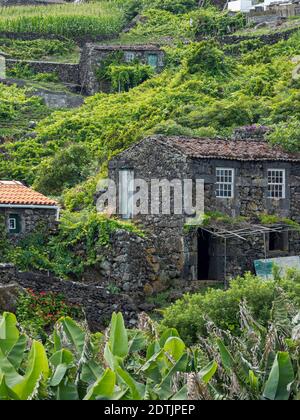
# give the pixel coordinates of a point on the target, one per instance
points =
(125, 77)
(120, 75)
(77, 245)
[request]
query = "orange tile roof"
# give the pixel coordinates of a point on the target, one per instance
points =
(15, 193)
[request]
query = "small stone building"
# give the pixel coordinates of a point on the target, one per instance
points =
(93, 55)
(244, 178)
(22, 209)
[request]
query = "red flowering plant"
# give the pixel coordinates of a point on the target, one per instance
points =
(37, 312)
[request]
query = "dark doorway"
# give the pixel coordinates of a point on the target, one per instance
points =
(203, 255)
(278, 241)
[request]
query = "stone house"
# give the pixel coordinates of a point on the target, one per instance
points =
(244, 178)
(22, 209)
(93, 55)
(267, 12)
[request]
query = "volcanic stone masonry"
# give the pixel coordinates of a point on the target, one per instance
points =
(94, 54)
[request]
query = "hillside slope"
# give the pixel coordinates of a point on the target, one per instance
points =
(207, 89)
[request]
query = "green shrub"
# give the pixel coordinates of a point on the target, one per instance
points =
(65, 169)
(190, 314)
(76, 246)
(172, 128)
(174, 6)
(206, 57)
(38, 312)
(36, 49)
(287, 134)
(124, 77)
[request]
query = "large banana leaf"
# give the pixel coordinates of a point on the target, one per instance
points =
(136, 390)
(207, 373)
(175, 347)
(280, 379)
(17, 353)
(9, 333)
(37, 370)
(118, 339)
(74, 333)
(103, 388)
(164, 389)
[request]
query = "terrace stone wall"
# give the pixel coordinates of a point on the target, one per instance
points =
(80, 40)
(59, 100)
(97, 302)
(124, 264)
(269, 39)
(67, 73)
(29, 2)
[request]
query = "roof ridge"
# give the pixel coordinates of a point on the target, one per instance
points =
(14, 193)
(230, 149)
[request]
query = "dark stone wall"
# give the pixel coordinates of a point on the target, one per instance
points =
(268, 39)
(251, 188)
(165, 232)
(124, 263)
(67, 73)
(97, 302)
(174, 253)
(31, 219)
(238, 256)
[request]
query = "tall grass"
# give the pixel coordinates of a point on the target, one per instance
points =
(102, 18)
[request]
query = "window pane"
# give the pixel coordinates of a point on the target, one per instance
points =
(276, 183)
(225, 179)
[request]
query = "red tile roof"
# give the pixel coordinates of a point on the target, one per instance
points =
(15, 193)
(242, 150)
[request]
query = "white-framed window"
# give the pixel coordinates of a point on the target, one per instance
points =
(126, 192)
(276, 183)
(129, 56)
(12, 223)
(225, 183)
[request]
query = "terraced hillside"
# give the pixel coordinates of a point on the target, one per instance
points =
(208, 88)
(95, 19)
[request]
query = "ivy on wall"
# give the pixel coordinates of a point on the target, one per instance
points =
(120, 75)
(124, 77)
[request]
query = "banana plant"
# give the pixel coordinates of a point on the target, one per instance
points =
(17, 383)
(140, 364)
(113, 369)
